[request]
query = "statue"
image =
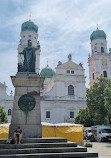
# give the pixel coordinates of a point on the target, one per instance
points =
(29, 59)
(70, 57)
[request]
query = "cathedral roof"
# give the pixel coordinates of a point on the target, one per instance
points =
(29, 26)
(47, 72)
(98, 34)
(70, 65)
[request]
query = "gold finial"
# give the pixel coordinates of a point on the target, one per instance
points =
(97, 26)
(30, 17)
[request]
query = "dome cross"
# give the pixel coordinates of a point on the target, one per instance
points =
(97, 26)
(30, 17)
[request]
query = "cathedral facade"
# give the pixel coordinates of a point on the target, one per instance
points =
(64, 92)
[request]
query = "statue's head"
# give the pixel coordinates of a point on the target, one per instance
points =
(29, 43)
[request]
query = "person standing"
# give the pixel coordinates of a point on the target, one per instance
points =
(86, 135)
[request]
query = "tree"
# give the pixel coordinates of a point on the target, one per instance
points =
(98, 101)
(107, 96)
(84, 118)
(3, 118)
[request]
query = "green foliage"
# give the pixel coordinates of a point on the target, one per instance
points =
(84, 118)
(88, 144)
(3, 118)
(98, 101)
(107, 96)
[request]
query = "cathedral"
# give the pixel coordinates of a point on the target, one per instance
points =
(64, 92)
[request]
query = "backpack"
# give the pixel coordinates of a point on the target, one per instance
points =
(12, 141)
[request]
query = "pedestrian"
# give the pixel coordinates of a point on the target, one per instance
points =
(86, 135)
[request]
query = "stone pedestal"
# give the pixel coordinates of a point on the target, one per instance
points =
(31, 126)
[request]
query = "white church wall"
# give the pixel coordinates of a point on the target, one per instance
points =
(60, 110)
(97, 44)
(6, 101)
(7, 105)
(98, 64)
(26, 35)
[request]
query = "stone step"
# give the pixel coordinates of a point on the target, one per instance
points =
(42, 150)
(37, 145)
(43, 140)
(50, 155)
(37, 140)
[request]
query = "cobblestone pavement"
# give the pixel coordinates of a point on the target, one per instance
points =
(103, 149)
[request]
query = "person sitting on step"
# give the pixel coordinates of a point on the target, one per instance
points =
(18, 135)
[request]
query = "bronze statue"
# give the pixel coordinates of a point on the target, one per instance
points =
(29, 59)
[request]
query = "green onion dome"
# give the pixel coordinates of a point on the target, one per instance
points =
(29, 26)
(47, 72)
(98, 34)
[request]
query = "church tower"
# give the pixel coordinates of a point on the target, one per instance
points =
(99, 61)
(29, 33)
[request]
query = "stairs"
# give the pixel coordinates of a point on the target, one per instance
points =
(44, 148)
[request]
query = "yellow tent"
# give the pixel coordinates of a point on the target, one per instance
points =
(73, 132)
(4, 131)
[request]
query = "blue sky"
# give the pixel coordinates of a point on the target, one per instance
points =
(64, 27)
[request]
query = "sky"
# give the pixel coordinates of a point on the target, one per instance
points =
(64, 26)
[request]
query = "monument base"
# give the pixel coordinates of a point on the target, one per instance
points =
(29, 121)
(29, 131)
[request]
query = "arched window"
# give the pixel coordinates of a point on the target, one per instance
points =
(70, 90)
(105, 73)
(9, 111)
(102, 49)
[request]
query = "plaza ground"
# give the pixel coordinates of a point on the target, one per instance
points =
(103, 149)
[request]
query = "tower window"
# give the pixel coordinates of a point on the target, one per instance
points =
(93, 76)
(72, 72)
(9, 112)
(102, 49)
(105, 73)
(29, 35)
(95, 49)
(71, 114)
(70, 90)
(47, 114)
(68, 71)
